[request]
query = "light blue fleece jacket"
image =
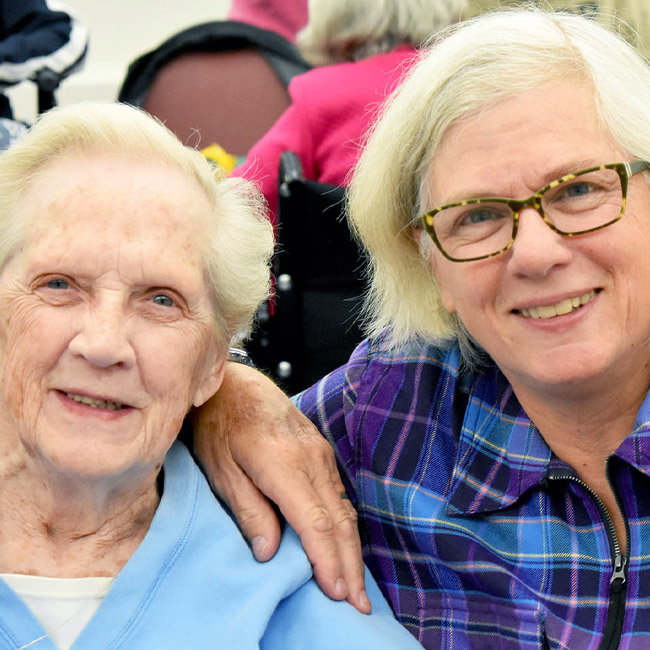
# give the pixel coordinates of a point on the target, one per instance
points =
(193, 583)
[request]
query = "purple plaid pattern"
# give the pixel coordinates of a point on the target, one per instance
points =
(469, 523)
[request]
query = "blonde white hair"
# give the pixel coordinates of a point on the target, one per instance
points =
(347, 30)
(466, 68)
(239, 237)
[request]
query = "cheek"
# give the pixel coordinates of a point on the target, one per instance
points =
(170, 365)
(32, 338)
(468, 290)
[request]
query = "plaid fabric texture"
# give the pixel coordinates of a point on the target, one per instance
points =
(472, 537)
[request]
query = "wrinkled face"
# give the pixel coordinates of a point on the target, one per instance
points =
(106, 332)
(511, 150)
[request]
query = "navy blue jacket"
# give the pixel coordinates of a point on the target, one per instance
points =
(34, 36)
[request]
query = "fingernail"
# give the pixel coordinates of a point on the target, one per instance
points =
(259, 545)
(341, 588)
(364, 602)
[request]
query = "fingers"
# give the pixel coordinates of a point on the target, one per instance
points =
(310, 500)
(348, 546)
(255, 516)
(347, 559)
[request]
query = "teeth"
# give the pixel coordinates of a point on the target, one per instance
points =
(586, 297)
(546, 311)
(95, 403)
(565, 306)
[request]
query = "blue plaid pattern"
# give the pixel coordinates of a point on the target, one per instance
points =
(471, 539)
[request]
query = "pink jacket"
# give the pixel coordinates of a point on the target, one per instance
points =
(332, 107)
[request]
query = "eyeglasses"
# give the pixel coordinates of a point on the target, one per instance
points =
(575, 204)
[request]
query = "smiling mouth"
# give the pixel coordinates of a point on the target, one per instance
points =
(95, 403)
(561, 308)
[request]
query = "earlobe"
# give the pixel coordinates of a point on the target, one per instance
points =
(211, 382)
(445, 297)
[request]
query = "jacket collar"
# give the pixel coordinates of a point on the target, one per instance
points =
(501, 454)
(635, 449)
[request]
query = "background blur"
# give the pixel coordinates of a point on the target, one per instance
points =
(120, 30)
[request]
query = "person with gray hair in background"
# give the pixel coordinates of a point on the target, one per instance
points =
(362, 48)
(493, 432)
(630, 18)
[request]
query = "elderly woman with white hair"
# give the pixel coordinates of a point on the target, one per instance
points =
(493, 431)
(127, 267)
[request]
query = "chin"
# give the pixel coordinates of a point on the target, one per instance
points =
(563, 368)
(88, 461)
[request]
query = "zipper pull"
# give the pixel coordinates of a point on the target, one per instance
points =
(620, 562)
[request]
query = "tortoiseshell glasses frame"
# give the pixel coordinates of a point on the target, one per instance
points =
(575, 204)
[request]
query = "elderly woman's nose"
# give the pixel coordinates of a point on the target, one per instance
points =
(537, 247)
(102, 336)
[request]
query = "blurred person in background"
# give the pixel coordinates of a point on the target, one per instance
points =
(630, 18)
(37, 36)
(362, 49)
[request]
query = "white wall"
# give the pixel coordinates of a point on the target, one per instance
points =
(120, 30)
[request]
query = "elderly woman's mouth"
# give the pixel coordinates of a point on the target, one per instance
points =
(96, 403)
(561, 308)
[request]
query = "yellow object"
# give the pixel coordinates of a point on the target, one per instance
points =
(220, 156)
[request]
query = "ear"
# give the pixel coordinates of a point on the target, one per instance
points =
(431, 256)
(213, 372)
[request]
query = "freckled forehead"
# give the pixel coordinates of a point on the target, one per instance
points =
(125, 198)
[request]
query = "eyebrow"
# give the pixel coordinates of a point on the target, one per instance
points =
(558, 171)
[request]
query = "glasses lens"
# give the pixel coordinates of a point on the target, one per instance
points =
(474, 230)
(585, 202)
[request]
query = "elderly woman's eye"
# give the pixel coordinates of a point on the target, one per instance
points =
(57, 283)
(163, 300)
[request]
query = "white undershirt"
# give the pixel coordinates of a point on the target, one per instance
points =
(63, 606)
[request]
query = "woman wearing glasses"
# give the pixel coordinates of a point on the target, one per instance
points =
(493, 432)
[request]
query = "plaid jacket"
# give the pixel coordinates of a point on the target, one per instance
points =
(477, 534)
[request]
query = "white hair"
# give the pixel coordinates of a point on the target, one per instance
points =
(347, 30)
(239, 241)
(466, 68)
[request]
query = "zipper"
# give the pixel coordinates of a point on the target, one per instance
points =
(618, 581)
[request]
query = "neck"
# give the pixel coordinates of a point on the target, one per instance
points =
(63, 526)
(585, 423)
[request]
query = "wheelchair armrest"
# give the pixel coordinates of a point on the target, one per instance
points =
(290, 171)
